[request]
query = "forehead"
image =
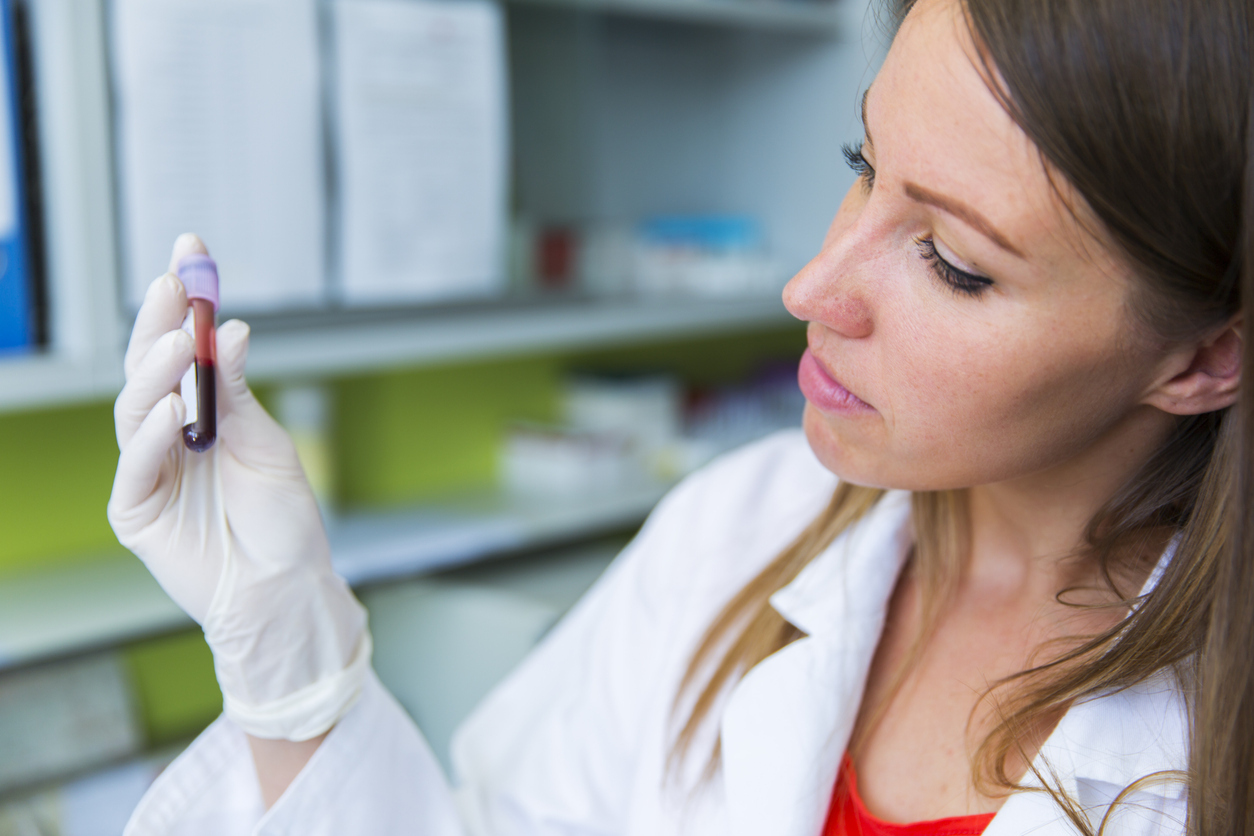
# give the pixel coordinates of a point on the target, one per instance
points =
(934, 121)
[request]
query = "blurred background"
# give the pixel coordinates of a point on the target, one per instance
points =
(513, 268)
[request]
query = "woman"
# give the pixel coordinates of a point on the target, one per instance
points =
(1024, 608)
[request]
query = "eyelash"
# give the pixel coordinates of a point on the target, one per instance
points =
(959, 281)
(853, 156)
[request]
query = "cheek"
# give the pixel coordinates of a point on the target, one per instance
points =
(995, 404)
(965, 401)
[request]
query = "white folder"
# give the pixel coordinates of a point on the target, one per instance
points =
(219, 129)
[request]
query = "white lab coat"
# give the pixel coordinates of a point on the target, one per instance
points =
(575, 741)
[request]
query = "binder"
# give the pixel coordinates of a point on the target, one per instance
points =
(17, 320)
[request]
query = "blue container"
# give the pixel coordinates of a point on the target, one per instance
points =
(708, 233)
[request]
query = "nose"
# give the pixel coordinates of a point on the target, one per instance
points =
(828, 291)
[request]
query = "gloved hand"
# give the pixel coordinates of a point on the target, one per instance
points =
(234, 534)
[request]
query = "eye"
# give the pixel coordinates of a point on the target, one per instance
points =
(959, 281)
(856, 161)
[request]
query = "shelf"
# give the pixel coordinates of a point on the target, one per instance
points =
(83, 607)
(347, 342)
(71, 609)
(369, 548)
(42, 380)
(817, 16)
(353, 342)
(88, 326)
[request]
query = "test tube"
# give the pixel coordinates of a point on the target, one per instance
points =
(199, 275)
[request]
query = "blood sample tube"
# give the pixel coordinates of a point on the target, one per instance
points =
(199, 276)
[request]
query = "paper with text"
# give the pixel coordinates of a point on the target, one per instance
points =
(421, 149)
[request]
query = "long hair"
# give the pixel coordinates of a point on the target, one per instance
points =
(1144, 108)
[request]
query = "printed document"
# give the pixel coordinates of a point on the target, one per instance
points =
(420, 149)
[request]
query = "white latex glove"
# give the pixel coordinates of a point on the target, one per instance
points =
(234, 534)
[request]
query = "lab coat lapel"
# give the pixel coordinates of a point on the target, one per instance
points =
(787, 723)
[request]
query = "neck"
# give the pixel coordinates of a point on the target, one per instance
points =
(1026, 533)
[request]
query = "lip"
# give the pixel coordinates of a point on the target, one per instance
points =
(826, 392)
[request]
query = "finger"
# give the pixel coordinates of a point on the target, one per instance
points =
(165, 305)
(185, 245)
(245, 425)
(234, 396)
(232, 339)
(140, 464)
(153, 379)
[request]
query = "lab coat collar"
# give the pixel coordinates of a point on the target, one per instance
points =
(788, 722)
(1122, 737)
(1099, 749)
(850, 583)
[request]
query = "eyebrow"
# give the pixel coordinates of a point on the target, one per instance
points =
(963, 212)
(956, 208)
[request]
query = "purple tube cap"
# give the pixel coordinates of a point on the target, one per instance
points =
(199, 275)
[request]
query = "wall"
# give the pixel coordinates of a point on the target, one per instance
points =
(56, 470)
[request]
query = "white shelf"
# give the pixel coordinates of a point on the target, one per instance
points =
(369, 548)
(76, 608)
(354, 342)
(41, 380)
(346, 345)
(97, 604)
(818, 16)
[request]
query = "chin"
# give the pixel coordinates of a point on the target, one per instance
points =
(833, 452)
(859, 461)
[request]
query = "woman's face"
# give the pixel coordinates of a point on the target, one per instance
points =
(964, 329)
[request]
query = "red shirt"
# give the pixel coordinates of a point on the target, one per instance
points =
(848, 816)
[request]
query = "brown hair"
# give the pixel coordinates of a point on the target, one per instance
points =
(1144, 108)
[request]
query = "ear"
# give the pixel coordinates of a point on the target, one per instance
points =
(1203, 376)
